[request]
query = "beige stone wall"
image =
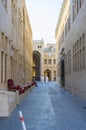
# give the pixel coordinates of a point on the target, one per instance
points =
(75, 81)
(60, 32)
(75, 44)
(15, 43)
(28, 49)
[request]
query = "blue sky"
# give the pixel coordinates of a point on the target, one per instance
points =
(43, 16)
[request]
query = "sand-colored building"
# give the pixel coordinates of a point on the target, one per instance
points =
(50, 61)
(44, 60)
(71, 47)
(15, 43)
(38, 62)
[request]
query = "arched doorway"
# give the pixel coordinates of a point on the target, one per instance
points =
(48, 73)
(36, 64)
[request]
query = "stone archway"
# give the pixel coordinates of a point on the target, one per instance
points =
(48, 73)
(36, 64)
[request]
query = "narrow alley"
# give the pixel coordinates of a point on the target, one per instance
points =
(48, 107)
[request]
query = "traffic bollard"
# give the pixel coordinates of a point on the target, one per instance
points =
(22, 120)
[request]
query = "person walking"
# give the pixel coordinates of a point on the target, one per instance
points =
(46, 79)
(42, 79)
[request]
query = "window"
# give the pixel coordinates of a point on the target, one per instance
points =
(49, 61)
(65, 29)
(6, 4)
(80, 3)
(2, 38)
(73, 14)
(80, 59)
(83, 39)
(69, 61)
(65, 63)
(63, 36)
(6, 43)
(12, 68)
(45, 61)
(39, 46)
(83, 50)
(54, 61)
(79, 54)
(5, 67)
(2, 56)
(77, 6)
(83, 57)
(73, 58)
(69, 24)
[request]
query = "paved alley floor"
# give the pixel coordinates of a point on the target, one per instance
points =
(48, 107)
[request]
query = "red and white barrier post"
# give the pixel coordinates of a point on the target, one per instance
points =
(22, 120)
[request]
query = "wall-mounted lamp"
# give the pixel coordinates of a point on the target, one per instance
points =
(11, 48)
(12, 51)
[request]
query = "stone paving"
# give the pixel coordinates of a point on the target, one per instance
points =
(48, 107)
